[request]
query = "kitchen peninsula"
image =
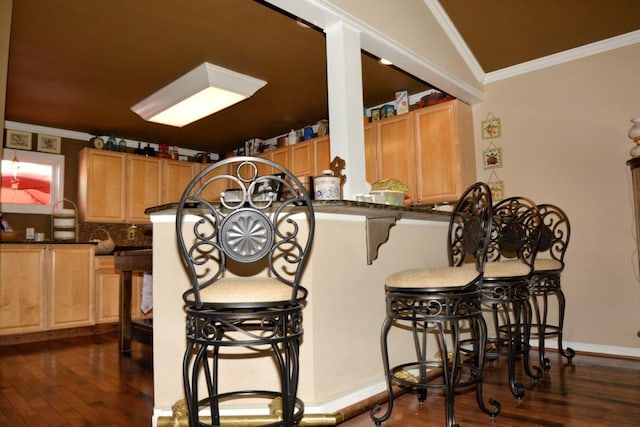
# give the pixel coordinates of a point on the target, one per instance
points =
(340, 355)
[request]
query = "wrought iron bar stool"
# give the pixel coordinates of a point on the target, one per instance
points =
(515, 232)
(244, 248)
(545, 280)
(445, 303)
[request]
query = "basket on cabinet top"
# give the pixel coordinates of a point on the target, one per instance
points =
(104, 246)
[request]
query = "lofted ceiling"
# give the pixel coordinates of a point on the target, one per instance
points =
(81, 64)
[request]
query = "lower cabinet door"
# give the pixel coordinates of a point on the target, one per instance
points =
(71, 286)
(22, 289)
(107, 290)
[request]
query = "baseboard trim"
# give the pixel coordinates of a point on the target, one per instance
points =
(592, 349)
(58, 334)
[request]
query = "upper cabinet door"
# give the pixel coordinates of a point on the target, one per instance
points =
(176, 175)
(444, 151)
(321, 154)
(395, 150)
(71, 288)
(143, 187)
(101, 186)
(301, 159)
(371, 158)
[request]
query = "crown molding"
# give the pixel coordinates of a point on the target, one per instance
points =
(62, 133)
(458, 42)
(323, 14)
(565, 56)
(529, 66)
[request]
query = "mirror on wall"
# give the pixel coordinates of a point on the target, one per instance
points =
(32, 182)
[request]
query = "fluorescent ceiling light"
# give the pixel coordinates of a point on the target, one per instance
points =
(202, 91)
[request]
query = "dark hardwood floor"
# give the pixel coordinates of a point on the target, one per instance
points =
(593, 391)
(84, 381)
(81, 381)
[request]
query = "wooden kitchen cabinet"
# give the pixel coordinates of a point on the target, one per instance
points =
(370, 154)
(101, 186)
(431, 150)
(212, 191)
(306, 158)
(444, 151)
(143, 187)
(117, 187)
(394, 152)
(176, 175)
(107, 295)
(107, 290)
(321, 154)
(70, 286)
(45, 287)
(281, 156)
(23, 297)
(301, 158)
(310, 158)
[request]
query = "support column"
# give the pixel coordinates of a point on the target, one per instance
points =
(344, 81)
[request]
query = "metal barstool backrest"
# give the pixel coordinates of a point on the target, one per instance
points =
(244, 216)
(515, 231)
(555, 232)
(469, 227)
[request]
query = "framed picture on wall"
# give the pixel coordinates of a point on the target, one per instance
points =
(49, 144)
(492, 158)
(18, 139)
(497, 190)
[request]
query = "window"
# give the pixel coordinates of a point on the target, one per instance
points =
(32, 182)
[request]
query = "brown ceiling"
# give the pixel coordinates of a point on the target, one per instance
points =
(81, 64)
(502, 33)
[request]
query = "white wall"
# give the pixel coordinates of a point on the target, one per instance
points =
(564, 141)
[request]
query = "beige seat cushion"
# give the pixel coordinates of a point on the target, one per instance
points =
(247, 289)
(506, 268)
(546, 264)
(440, 277)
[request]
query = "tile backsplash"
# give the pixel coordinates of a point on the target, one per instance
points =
(142, 236)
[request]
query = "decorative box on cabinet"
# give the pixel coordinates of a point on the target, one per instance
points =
(44, 287)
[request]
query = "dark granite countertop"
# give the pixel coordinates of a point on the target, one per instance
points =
(49, 242)
(350, 207)
(118, 248)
